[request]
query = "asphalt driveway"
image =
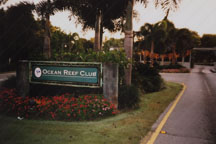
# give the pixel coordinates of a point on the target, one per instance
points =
(193, 120)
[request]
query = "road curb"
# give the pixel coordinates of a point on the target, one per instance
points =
(155, 134)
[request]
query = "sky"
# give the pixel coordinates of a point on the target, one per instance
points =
(196, 15)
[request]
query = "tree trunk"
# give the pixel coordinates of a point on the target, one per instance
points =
(47, 48)
(144, 58)
(101, 33)
(174, 55)
(162, 63)
(152, 54)
(140, 57)
(128, 41)
(183, 58)
(97, 42)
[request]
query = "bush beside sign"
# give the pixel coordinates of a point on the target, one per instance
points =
(66, 73)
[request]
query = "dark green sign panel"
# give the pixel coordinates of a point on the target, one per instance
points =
(74, 74)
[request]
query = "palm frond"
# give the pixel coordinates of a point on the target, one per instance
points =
(3, 2)
(46, 7)
(169, 4)
(145, 2)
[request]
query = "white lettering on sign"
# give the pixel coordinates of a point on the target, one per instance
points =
(70, 73)
(51, 72)
(88, 74)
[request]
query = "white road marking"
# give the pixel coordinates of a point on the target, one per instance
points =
(206, 71)
(207, 87)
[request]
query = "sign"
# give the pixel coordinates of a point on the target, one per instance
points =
(66, 73)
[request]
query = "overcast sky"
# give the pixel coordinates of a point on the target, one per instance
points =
(197, 15)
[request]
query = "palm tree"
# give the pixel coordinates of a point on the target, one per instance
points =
(172, 43)
(45, 9)
(171, 39)
(106, 13)
(167, 6)
(98, 31)
(128, 43)
(96, 15)
(161, 48)
(186, 40)
(154, 33)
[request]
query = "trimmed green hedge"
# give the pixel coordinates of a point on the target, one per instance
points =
(129, 97)
(147, 78)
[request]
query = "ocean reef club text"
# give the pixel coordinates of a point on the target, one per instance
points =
(69, 73)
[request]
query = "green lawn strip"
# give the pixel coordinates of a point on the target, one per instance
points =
(125, 128)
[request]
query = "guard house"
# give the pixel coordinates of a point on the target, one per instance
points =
(207, 56)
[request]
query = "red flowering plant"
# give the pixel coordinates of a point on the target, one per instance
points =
(11, 104)
(63, 107)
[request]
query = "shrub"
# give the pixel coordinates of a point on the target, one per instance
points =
(152, 83)
(63, 107)
(51, 90)
(147, 78)
(176, 66)
(129, 97)
(115, 56)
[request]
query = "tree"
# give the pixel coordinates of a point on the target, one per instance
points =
(18, 38)
(208, 40)
(167, 5)
(113, 43)
(142, 46)
(121, 8)
(186, 40)
(58, 40)
(171, 39)
(128, 41)
(87, 45)
(45, 9)
(4, 56)
(128, 44)
(85, 8)
(161, 48)
(154, 33)
(62, 43)
(98, 15)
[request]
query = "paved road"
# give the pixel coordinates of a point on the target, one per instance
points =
(5, 76)
(193, 121)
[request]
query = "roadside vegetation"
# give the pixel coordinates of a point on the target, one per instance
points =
(68, 103)
(53, 114)
(57, 114)
(127, 127)
(24, 37)
(61, 107)
(177, 68)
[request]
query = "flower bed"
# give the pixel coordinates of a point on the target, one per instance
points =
(181, 70)
(63, 107)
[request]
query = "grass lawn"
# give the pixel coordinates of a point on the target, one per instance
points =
(125, 128)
